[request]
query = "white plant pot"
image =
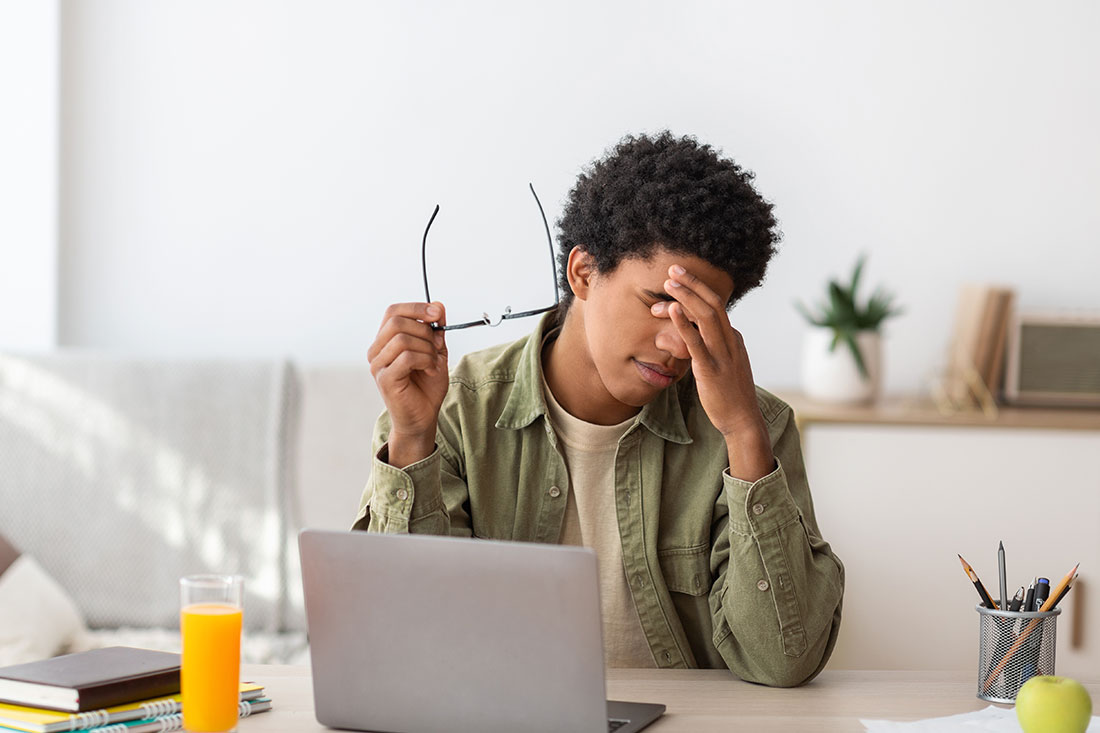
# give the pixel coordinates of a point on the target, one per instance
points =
(833, 376)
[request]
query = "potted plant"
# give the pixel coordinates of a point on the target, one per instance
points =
(852, 374)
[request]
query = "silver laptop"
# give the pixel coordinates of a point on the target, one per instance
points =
(416, 633)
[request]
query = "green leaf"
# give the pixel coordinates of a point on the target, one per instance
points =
(880, 307)
(850, 339)
(843, 309)
(856, 274)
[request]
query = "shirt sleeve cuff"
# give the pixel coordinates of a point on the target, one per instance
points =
(394, 490)
(759, 506)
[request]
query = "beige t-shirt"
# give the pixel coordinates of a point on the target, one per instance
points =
(591, 521)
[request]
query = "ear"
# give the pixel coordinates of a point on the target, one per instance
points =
(581, 271)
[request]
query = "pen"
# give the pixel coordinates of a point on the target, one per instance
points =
(1017, 600)
(1029, 600)
(982, 592)
(1042, 592)
(1003, 599)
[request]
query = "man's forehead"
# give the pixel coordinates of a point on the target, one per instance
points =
(653, 271)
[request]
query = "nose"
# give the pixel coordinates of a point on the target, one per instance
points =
(668, 339)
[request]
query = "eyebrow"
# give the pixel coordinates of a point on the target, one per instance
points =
(657, 296)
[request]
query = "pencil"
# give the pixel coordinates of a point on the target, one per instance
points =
(1003, 597)
(1065, 590)
(1063, 586)
(1056, 594)
(986, 600)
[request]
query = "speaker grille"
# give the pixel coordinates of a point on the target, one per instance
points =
(1060, 359)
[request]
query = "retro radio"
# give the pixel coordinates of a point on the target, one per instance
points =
(1054, 359)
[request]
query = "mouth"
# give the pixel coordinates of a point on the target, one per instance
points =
(654, 374)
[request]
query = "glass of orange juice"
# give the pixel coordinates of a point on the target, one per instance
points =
(211, 611)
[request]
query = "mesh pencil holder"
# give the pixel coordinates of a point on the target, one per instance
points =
(1015, 646)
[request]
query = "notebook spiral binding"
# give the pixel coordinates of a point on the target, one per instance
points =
(93, 719)
(158, 708)
(161, 711)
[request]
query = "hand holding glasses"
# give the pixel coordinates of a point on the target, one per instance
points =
(507, 314)
(408, 360)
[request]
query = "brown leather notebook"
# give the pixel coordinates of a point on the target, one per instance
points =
(90, 680)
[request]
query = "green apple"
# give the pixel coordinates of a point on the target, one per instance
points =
(1048, 704)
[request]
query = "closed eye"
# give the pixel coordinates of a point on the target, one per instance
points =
(655, 296)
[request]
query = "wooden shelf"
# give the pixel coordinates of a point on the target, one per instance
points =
(914, 410)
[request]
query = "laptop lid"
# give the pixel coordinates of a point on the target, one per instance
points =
(426, 633)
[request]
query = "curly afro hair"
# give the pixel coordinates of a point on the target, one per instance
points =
(664, 192)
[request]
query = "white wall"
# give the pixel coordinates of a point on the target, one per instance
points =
(28, 174)
(252, 178)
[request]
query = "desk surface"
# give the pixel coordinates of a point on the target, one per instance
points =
(707, 700)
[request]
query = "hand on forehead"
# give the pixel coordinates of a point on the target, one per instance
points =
(690, 280)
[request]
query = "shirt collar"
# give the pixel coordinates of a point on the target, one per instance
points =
(663, 416)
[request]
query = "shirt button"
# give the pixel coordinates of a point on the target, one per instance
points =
(757, 509)
(762, 585)
(402, 494)
(555, 492)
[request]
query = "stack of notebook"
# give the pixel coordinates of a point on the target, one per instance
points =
(103, 687)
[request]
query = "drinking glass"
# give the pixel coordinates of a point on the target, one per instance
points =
(211, 611)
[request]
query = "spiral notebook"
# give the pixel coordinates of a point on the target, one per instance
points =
(175, 721)
(37, 720)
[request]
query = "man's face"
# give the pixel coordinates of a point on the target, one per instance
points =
(636, 353)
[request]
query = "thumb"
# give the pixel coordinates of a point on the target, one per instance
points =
(440, 336)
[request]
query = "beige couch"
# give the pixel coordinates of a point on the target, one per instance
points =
(118, 475)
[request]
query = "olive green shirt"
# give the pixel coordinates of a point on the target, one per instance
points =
(723, 572)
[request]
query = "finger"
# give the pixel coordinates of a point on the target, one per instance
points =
(414, 318)
(697, 347)
(660, 309)
(699, 303)
(678, 274)
(403, 366)
(427, 312)
(400, 344)
(400, 326)
(439, 336)
(712, 323)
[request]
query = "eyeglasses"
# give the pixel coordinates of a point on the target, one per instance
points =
(508, 315)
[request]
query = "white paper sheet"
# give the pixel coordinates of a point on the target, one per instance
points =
(991, 719)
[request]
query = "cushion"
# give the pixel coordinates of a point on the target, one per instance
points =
(38, 619)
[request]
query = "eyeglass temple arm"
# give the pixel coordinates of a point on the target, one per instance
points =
(550, 241)
(424, 255)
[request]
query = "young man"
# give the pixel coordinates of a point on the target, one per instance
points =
(628, 421)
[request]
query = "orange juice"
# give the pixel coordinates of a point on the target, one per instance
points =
(210, 671)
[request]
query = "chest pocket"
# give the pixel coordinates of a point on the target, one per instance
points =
(686, 570)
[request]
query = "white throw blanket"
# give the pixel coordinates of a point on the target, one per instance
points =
(121, 475)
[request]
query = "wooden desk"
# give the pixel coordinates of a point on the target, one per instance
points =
(701, 701)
